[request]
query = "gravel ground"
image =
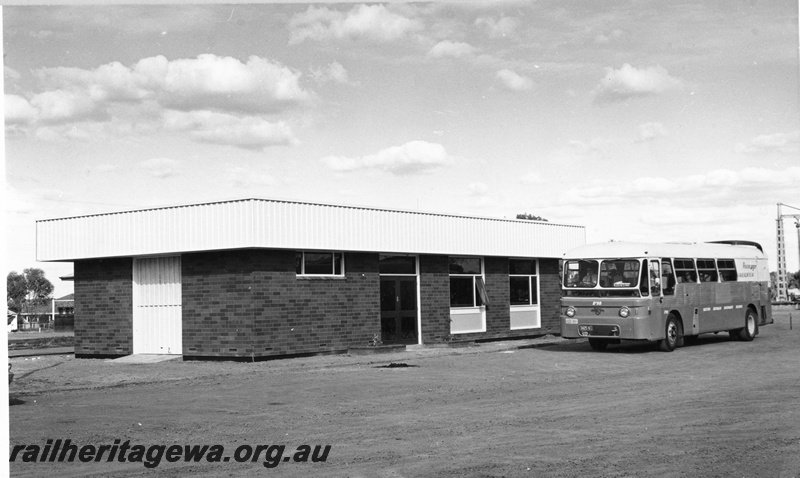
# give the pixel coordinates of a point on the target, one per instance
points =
(717, 408)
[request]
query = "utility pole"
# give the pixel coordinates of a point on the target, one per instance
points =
(782, 285)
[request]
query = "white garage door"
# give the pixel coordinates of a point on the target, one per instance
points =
(157, 327)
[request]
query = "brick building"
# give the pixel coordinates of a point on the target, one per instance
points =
(253, 279)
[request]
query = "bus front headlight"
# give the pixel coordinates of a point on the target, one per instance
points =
(570, 311)
(624, 312)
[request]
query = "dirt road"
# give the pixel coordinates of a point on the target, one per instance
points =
(717, 408)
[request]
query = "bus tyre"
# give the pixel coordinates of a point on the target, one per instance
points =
(750, 330)
(598, 345)
(672, 334)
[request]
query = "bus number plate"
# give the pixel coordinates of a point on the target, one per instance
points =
(585, 329)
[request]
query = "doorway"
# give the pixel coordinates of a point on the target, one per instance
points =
(399, 310)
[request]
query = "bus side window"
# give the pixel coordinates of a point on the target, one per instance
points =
(727, 270)
(685, 270)
(655, 278)
(667, 277)
(708, 272)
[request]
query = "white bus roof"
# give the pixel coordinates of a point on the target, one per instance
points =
(610, 250)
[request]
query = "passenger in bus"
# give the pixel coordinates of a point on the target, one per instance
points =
(686, 278)
(590, 278)
(614, 275)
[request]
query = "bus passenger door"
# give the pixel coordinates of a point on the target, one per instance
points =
(657, 285)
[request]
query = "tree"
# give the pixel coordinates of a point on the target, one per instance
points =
(25, 291)
(530, 217)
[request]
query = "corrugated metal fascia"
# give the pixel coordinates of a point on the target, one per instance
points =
(294, 225)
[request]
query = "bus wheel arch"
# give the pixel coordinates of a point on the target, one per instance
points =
(673, 332)
(750, 329)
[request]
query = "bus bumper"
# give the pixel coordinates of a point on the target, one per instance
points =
(629, 328)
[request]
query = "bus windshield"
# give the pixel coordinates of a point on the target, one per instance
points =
(603, 274)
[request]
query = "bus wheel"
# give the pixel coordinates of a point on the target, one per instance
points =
(750, 329)
(672, 334)
(598, 345)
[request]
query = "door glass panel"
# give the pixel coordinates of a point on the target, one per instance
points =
(409, 329)
(408, 295)
(655, 279)
(388, 329)
(388, 296)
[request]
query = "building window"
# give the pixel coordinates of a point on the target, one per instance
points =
(393, 264)
(523, 281)
(466, 282)
(319, 263)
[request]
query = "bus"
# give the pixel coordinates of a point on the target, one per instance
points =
(667, 293)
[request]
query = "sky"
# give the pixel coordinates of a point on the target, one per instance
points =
(642, 121)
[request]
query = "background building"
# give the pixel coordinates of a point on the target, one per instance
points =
(255, 278)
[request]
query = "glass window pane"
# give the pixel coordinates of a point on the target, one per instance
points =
(481, 297)
(462, 292)
(390, 264)
(298, 262)
(521, 266)
(408, 295)
(388, 296)
(520, 290)
(319, 263)
(337, 263)
(465, 265)
(580, 274)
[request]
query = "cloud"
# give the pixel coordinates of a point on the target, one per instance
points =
(334, 72)
(514, 82)
(206, 82)
(362, 22)
(651, 131)
(10, 73)
(247, 132)
(60, 106)
(717, 188)
(18, 110)
(629, 82)
(161, 168)
(447, 48)
(411, 158)
(504, 27)
(777, 142)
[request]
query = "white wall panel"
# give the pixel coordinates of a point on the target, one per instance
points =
(292, 225)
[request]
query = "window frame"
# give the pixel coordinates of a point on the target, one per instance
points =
(303, 274)
(476, 294)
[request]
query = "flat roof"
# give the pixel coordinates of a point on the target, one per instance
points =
(282, 224)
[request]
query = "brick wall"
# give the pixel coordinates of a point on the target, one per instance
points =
(103, 307)
(251, 304)
(550, 295)
(434, 298)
